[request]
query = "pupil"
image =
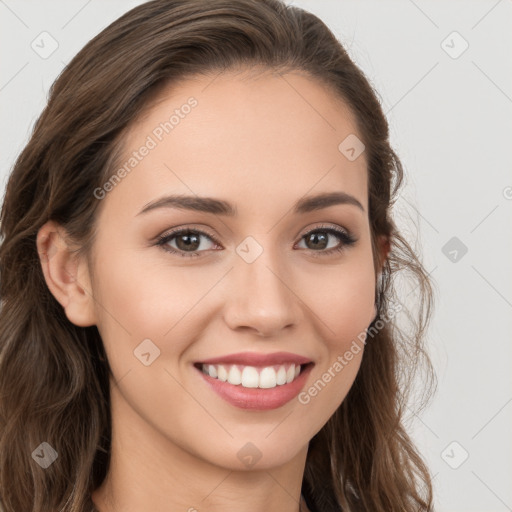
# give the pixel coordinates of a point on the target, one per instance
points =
(190, 241)
(316, 236)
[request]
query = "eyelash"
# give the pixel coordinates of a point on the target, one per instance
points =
(346, 238)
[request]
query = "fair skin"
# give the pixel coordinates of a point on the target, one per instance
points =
(259, 144)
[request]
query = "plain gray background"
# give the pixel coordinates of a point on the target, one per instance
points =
(443, 72)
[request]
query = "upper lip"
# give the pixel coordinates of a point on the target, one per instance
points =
(257, 359)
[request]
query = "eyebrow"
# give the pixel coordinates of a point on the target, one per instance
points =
(221, 207)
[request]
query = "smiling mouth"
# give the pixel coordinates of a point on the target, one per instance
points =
(263, 377)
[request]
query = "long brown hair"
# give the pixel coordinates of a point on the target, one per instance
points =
(54, 376)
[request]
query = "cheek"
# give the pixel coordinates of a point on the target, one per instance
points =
(344, 308)
(343, 300)
(151, 299)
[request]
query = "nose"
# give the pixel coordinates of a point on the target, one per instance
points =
(262, 298)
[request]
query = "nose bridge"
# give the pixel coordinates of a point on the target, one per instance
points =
(261, 298)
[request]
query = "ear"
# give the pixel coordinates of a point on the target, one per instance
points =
(383, 248)
(67, 276)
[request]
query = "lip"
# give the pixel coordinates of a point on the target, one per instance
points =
(257, 399)
(257, 359)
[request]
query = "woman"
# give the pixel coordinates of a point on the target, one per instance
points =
(198, 262)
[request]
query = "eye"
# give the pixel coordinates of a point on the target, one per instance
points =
(318, 239)
(187, 240)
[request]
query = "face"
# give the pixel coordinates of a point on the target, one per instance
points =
(250, 273)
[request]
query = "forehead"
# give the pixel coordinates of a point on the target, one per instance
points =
(259, 137)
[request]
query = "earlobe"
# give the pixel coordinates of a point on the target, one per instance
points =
(66, 276)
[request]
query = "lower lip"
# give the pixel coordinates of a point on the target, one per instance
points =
(257, 398)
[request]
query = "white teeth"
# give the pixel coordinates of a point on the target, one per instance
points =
(281, 376)
(222, 373)
(252, 377)
(234, 376)
(290, 374)
(268, 378)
